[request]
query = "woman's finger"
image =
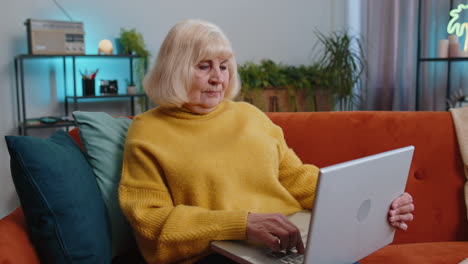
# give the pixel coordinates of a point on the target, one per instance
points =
(272, 242)
(400, 225)
(292, 231)
(295, 238)
(274, 230)
(402, 217)
(283, 236)
(300, 244)
(402, 210)
(402, 200)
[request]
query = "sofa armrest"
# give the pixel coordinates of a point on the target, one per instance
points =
(15, 246)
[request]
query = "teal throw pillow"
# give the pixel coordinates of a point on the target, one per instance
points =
(62, 205)
(103, 138)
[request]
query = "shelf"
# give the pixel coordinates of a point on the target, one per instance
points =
(425, 81)
(35, 123)
(71, 100)
(445, 59)
(105, 96)
(26, 56)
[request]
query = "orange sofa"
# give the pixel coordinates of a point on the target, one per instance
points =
(439, 232)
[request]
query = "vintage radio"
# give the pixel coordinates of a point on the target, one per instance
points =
(49, 37)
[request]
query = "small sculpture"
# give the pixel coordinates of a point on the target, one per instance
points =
(105, 46)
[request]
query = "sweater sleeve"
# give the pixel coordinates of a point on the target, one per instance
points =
(298, 178)
(166, 232)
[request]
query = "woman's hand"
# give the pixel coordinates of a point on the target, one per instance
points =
(275, 231)
(400, 211)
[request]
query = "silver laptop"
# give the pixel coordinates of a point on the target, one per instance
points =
(349, 217)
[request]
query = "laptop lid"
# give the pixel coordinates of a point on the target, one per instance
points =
(349, 217)
(350, 214)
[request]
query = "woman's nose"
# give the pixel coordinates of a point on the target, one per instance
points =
(216, 76)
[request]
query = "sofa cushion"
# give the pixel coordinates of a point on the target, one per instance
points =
(103, 138)
(66, 223)
(15, 246)
(427, 253)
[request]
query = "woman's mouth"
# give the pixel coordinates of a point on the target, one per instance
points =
(212, 93)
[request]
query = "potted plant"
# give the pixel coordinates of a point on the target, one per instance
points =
(342, 63)
(276, 87)
(133, 43)
(263, 84)
(253, 81)
(277, 94)
(300, 88)
(323, 92)
(131, 88)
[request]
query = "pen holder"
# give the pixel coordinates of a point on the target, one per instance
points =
(88, 87)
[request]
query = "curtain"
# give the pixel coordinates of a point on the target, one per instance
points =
(390, 41)
(395, 57)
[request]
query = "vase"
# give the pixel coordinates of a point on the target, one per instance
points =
(131, 90)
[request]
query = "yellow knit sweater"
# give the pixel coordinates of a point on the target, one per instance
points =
(188, 179)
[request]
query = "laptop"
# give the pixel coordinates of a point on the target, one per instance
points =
(349, 218)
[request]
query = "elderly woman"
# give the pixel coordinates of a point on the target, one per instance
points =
(201, 167)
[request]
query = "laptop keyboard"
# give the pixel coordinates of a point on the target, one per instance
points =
(290, 256)
(293, 258)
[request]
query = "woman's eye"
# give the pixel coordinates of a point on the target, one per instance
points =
(223, 67)
(203, 67)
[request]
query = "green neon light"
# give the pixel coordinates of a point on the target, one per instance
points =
(453, 25)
